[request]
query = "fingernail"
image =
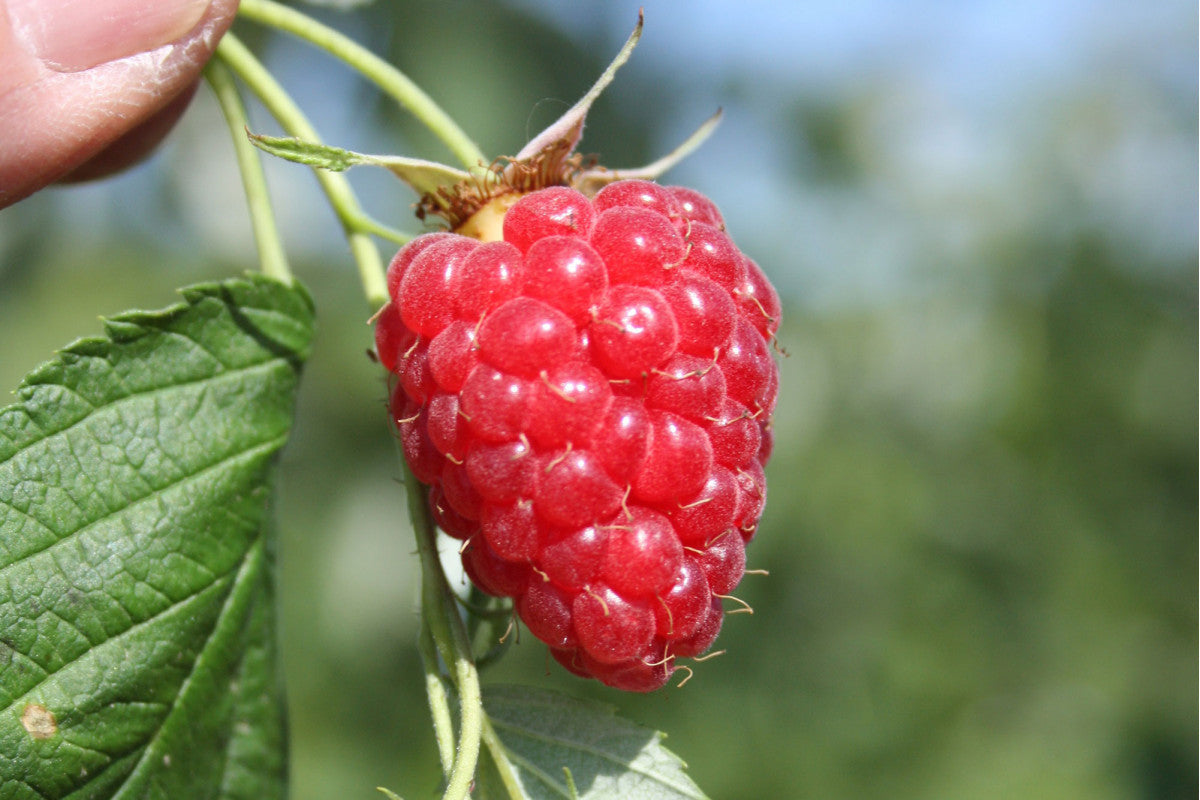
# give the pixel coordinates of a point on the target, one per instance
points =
(73, 35)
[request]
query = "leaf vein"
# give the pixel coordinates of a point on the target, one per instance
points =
(217, 577)
(252, 559)
(259, 448)
(630, 766)
(111, 640)
(267, 364)
(537, 772)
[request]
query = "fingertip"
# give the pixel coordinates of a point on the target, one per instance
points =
(54, 124)
(135, 145)
(69, 36)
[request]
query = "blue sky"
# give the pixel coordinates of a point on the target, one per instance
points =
(965, 107)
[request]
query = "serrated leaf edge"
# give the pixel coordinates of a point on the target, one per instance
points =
(550, 700)
(154, 321)
(659, 736)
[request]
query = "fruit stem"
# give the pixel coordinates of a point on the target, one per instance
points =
(389, 79)
(439, 704)
(341, 197)
(439, 612)
(271, 255)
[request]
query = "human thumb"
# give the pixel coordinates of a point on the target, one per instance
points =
(77, 76)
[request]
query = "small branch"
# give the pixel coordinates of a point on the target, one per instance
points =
(439, 702)
(271, 255)
(277, 101)
(440, 613)
(390, 80)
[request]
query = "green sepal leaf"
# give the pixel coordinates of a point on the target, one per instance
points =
(548, 736)
(425, 177)
(137, 639)
(568, 129)
(591, 181)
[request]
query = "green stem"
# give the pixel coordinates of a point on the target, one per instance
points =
(492, 655)
(341, 197)
(389, 79)
(450, 636)
(478, 611)
(271, 255)
(504, 767)
(439, 703)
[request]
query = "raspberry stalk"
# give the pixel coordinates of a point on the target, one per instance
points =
(390, 80)
(271, 256)
(355, 223)
(443, 624)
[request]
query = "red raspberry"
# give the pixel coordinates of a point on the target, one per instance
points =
(589, 402)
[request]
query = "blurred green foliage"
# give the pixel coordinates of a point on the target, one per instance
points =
(982, 525)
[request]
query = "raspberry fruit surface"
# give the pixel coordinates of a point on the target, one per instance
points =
(589, 402)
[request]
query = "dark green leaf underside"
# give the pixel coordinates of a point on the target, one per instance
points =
(544, 732)
(137, 651)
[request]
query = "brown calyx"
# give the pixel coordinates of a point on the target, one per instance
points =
(489, 195)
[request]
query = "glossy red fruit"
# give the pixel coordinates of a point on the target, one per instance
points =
(611, 628)
(643, 554)
(589, 402)
(639, 246)
(554, 211)
(632, 332)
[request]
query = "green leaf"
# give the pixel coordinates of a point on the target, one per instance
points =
(546, 734)
(137, 642)
(423, 176)
(312, 154)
